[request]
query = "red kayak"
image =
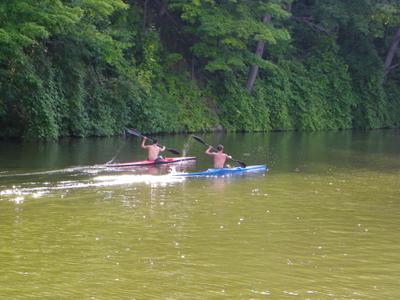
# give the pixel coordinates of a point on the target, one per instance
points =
(166, 160)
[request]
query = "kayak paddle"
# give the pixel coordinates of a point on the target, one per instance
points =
(134, 132)
(242, 164)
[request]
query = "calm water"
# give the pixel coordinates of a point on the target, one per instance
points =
(322, 223)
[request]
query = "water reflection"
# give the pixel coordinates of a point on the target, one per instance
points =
(322, 224)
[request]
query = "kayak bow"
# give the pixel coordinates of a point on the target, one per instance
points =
(224, 171)
(166, 160)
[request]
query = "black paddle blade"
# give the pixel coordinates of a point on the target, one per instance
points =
(242, 164)
(199, 140)
(136, 133)
(133, 132)
(174, 151)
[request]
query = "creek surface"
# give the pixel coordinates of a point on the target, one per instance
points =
(322, 223)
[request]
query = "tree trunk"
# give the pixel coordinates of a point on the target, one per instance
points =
(259, 52)
(144, 15)
(391, 53)
(193, 74)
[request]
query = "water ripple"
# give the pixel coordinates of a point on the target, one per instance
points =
(18, 193)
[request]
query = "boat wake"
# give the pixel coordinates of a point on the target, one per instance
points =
(77, 169)
(87, 178)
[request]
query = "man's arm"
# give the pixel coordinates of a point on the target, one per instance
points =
(208, 151)
(143, 141)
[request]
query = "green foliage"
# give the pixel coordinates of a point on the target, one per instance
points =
(238, 111)
(333, 88)
(41, 39)
(393, 103)
(224, 30)
(23, 23)
(93, 67)
(313, 94)
(371, 109)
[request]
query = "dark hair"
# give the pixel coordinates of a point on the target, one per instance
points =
(155, 141)
(220, 147)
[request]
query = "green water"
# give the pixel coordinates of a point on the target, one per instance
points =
(322, 223)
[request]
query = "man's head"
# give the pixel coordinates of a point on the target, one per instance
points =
(155, 141)
(220, 147)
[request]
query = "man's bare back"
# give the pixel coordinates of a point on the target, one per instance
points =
(153, 150)
(219, 157)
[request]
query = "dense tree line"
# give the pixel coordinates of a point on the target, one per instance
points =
(93, 67)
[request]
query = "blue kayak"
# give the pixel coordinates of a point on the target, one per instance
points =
(224, 171)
